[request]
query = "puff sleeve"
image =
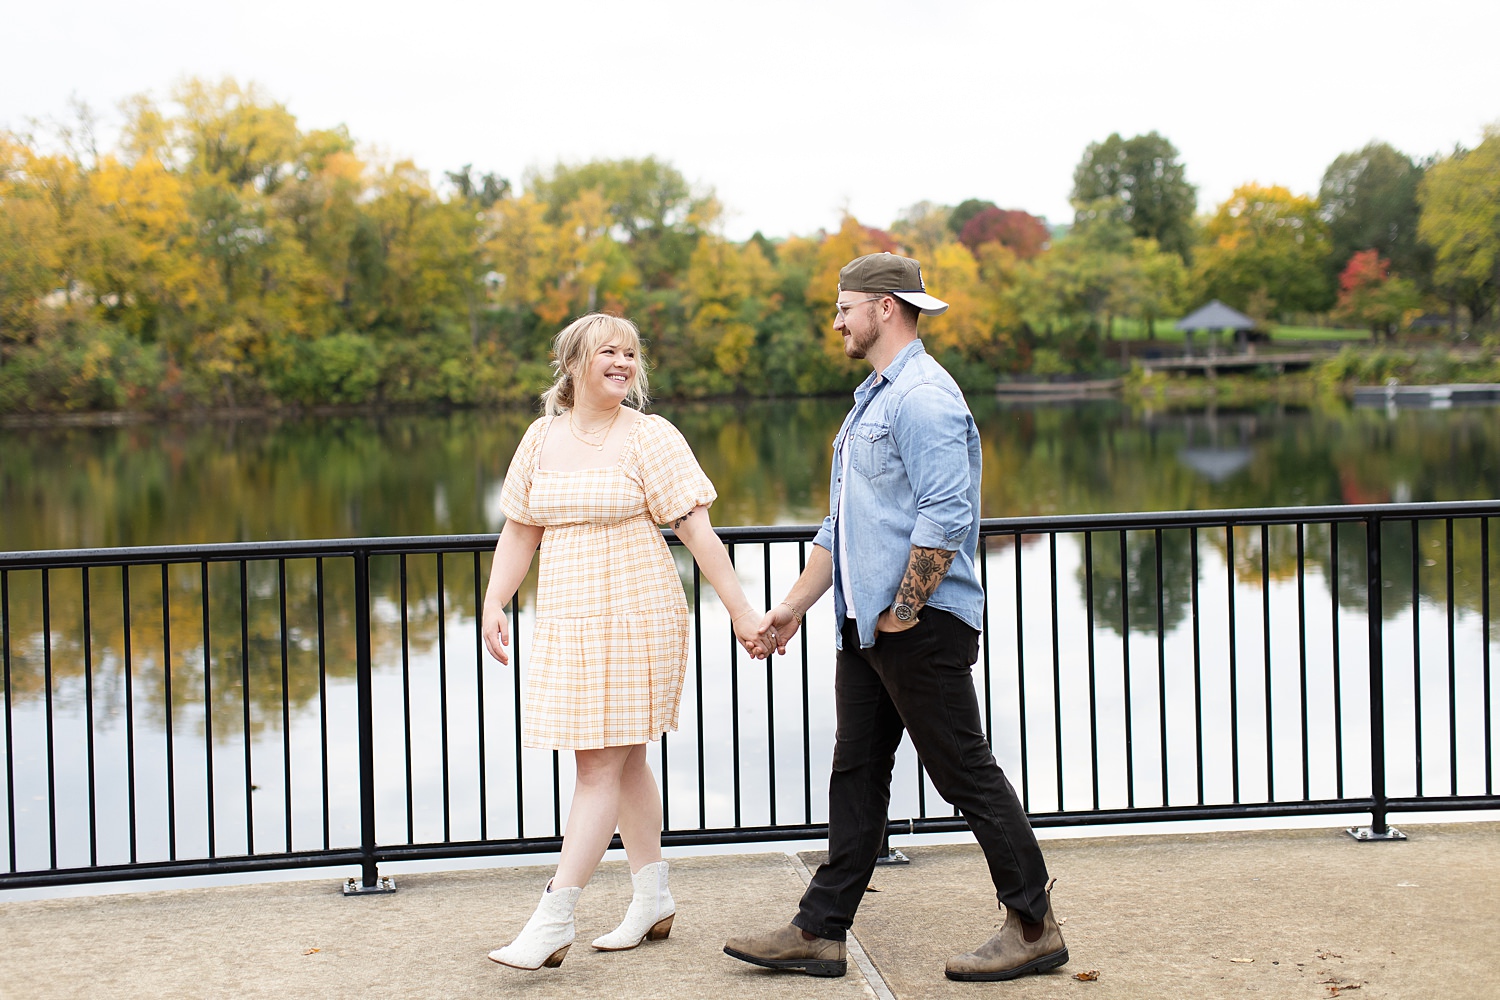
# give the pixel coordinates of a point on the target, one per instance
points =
(515, 493)
(673, 481)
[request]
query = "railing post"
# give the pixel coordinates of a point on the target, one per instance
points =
(370, 882)
(1375, 608)
(887, 855)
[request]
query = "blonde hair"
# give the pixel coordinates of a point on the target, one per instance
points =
(576, 343)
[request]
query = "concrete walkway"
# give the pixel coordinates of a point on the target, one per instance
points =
(1266, 914)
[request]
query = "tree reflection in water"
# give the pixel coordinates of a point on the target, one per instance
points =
(187, 482)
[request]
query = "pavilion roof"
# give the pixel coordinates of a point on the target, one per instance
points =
(1216, 316)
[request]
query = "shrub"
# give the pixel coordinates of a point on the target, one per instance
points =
(94, 367)
(341, 369)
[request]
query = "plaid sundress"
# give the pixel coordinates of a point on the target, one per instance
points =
(610, 644)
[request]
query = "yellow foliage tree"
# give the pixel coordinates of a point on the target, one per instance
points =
(952, 274)
(727, 295)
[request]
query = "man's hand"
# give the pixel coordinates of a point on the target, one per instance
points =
(888, 622)
(778, 627)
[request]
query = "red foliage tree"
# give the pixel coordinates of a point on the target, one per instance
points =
(1371, 296)
(884, 241)
(1022, 232)
(1365, 269)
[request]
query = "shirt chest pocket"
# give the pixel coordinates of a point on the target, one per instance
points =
(873, 448)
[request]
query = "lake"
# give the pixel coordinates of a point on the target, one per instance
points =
(187, 482)
(191, 481)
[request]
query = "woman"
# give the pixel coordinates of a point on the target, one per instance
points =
(590, 482)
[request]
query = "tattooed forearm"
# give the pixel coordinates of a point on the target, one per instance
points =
(678, 523)
(924, 572)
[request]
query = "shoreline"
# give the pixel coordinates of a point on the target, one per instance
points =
(1154, 388)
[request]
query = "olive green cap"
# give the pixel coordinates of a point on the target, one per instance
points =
(890, 274)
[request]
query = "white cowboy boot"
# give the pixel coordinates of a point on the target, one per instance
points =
(547, 935)
(650, 914)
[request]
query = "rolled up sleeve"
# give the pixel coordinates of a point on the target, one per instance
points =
(824, 536)
(932, 433)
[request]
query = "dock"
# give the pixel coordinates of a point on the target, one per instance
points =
(1435, 397)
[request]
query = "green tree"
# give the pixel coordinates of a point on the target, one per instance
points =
(474, 196)
(1369, 199)
(1460, 199)
(923, 227)
(1152, 284)
(964, 211)
(1149, 186)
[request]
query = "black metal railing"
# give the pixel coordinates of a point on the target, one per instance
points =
(189, 710)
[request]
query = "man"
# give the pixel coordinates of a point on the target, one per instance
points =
(898, 548)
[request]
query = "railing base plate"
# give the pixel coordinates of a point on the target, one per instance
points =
(1367, 833)
(893, 858)
(384, 884)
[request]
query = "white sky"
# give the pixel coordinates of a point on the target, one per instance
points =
(795, 111)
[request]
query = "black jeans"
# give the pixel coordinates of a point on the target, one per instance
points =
(920, 681)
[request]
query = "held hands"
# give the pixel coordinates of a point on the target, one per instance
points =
(778, 627)
(748, 633)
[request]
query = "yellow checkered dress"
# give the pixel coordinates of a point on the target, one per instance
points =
(610, 646)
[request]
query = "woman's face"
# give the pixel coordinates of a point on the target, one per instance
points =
(609, 374)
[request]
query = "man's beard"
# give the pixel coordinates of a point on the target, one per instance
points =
(857, 345)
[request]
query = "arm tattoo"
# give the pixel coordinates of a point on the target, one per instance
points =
(678, 523)
(924, 572)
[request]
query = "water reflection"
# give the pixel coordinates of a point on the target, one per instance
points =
(179, 654)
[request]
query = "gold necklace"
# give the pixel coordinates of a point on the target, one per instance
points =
(599, 444)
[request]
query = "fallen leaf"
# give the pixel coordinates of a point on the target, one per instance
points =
(871, 888)
(1086, 977)
(312, 951)
(1242, 961)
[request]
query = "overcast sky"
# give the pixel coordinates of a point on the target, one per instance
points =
(794, 112)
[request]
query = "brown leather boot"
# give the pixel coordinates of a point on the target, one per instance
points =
(788, 948)
(1008, 955)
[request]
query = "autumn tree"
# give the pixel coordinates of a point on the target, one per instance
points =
(30, 245)
(656, 213)
(852, 240)
(965, 210)
(1370, 296)
(1151, 191)
(728, 294)
(1265, 253)
(1023, 233)
(1460, 198)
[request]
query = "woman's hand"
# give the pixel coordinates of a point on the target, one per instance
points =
(747, 631)
(495, 627)
(512, 558)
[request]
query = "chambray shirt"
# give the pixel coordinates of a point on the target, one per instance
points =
(913, 481)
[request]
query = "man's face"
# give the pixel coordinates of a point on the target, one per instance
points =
(857, 318)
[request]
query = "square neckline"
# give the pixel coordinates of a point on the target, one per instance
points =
(624, 446)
